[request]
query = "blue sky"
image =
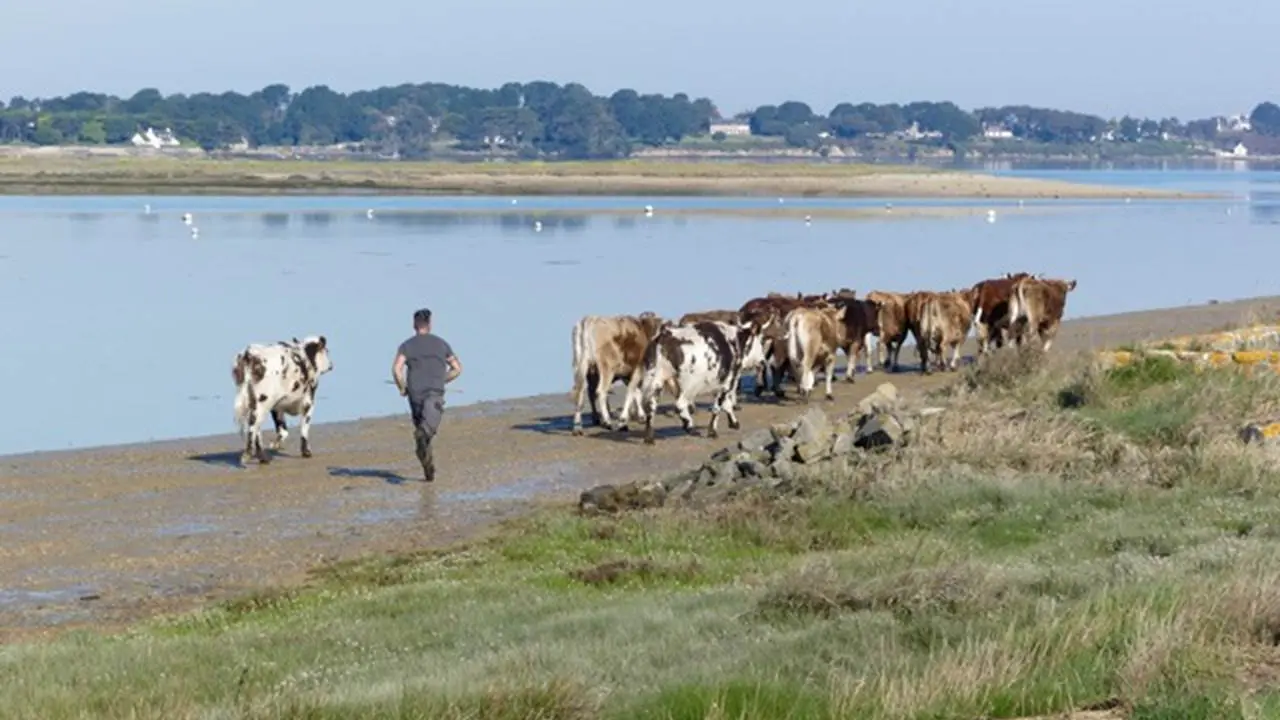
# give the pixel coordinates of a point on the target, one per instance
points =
(1108, 57)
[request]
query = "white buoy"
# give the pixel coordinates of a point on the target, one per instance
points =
(537, 226)
(514, 201)
(1021, 203)
(808, 220)
(369, 213)
(195, 232)
(1128, 200)
(146, 208)
(888, 207)
(780, 201)
(991, 216)
(186, 218)
(648, 210)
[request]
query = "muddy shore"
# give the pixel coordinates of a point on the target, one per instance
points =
(69, 175)
(104, 536)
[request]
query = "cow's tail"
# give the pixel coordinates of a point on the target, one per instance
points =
(931, 321)
(583, 350)
(791, 336)
(240, 374)
(1018, 307)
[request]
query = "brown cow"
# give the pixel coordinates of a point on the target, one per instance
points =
(861, 319)
(893, 325)
(776, 306)
(607, 349)
(1036, 308)
(991, 319)
(724, 316)
(944, 322)
(813, 336)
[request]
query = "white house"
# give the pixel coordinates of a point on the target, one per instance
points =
(996, 132)
(730, 128)
(151, 138)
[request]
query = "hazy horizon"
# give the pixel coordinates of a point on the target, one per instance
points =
(1103, 58)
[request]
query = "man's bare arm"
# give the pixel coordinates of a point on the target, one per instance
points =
(397, 373)
(455, 369)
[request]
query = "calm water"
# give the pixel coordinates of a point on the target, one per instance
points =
(122, 326)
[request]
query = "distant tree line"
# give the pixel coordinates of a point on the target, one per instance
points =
(545, 119)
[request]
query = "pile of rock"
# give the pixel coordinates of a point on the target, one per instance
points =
(776, 457)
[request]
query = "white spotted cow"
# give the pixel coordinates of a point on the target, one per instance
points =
(277, 380)
(700, 358)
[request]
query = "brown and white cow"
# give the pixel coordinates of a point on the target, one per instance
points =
(1036, 308)
(777, 306)
(607, 349)
(278, 380)
(991, 318)
(697, 359)
(813, 336)
(945, 318)
(861, 321)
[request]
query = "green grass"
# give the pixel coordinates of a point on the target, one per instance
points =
(1027, 555)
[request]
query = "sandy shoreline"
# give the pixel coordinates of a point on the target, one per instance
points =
(99, 537)
(114, 176)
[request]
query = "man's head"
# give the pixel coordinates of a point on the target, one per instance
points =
(422, 321)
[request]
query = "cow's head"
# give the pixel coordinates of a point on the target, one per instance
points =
(844, 294)
(652, 323)
(751, 332)
(316, 349)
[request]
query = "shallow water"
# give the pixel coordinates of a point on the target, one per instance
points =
(122, 326)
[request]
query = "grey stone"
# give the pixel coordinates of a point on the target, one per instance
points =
(813, 427)
(722, 454)
(878, 431)
(786, 449)
(884, 399)
(843, 444)
(752, 469)
(756, 440)
(780, 431)
(725, 471)
(816, 451)
(783, 469)
(602, 498)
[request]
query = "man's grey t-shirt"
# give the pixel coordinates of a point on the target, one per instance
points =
(426, 363)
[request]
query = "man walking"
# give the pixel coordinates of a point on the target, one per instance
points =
(424, 364)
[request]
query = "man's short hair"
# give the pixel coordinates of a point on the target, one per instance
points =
(422, 318)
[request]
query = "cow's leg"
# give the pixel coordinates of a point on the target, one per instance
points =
(632, 401)
(1049, 332)
(955, 355)
(304, 425)
(923, 347)
(600, 404)
(282, 430)
(255, 437)
(730, 408)
(685, 411)
(779, 374)
(807, 380)
(581, 388)
(830, 372)
(594, 381)
(982, 334)
(724, 404)
(650, 409)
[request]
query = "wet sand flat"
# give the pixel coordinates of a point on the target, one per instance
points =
(101, 536)
(62, 174)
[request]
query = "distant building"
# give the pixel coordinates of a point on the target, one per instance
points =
(996, 132)
(151, 138)
(1234, 123)
(730, 128)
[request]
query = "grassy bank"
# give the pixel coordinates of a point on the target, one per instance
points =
(1061, 538)
(69, 174)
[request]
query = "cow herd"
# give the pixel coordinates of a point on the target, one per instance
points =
(783, 335)
(707, 352)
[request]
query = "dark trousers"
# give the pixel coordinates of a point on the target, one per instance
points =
(428, 411)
